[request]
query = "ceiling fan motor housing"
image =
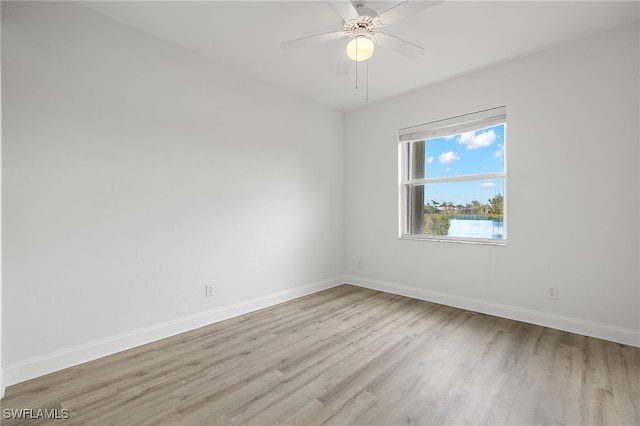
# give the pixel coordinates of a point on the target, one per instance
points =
(362, 25)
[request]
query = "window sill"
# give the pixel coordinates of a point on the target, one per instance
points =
(477, 241)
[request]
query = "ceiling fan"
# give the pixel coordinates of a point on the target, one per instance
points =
(361, 24)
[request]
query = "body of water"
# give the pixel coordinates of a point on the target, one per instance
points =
(476, 228)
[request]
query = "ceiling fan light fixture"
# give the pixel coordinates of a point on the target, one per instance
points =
(360, 48)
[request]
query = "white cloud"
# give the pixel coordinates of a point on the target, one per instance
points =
(487, 185)
(499, 153)
(448, 157)
(429, 160)
(473, 141)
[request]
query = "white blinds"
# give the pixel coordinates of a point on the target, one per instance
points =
(455, 125)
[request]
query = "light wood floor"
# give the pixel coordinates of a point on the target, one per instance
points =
(351, 356)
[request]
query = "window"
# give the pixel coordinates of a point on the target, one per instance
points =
(453, 179)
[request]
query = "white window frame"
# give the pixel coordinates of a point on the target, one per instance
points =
(447, 127)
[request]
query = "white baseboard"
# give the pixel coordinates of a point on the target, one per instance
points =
(49, 363)
(587, 328)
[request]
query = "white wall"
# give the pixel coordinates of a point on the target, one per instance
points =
(573, 162)
(2, 387)
(136, 172)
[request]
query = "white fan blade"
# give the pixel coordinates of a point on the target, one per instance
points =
(401, 46)
(344, 66)
(404, 10)
(292, 44)
(345, 9)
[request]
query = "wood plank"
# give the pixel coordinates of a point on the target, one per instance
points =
(350, 356)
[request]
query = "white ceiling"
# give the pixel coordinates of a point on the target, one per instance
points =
(458, 37)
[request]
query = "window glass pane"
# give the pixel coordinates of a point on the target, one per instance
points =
(473, 209)
(475, 152)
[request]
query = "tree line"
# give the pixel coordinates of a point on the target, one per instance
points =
(493, 208)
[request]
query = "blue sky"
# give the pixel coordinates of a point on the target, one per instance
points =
(481, 151)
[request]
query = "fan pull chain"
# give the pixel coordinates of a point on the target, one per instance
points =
(356, 75)
(357, 63)
(366, 73)
(367, 95)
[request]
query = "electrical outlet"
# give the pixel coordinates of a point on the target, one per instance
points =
(552, 293)
(208, 290)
